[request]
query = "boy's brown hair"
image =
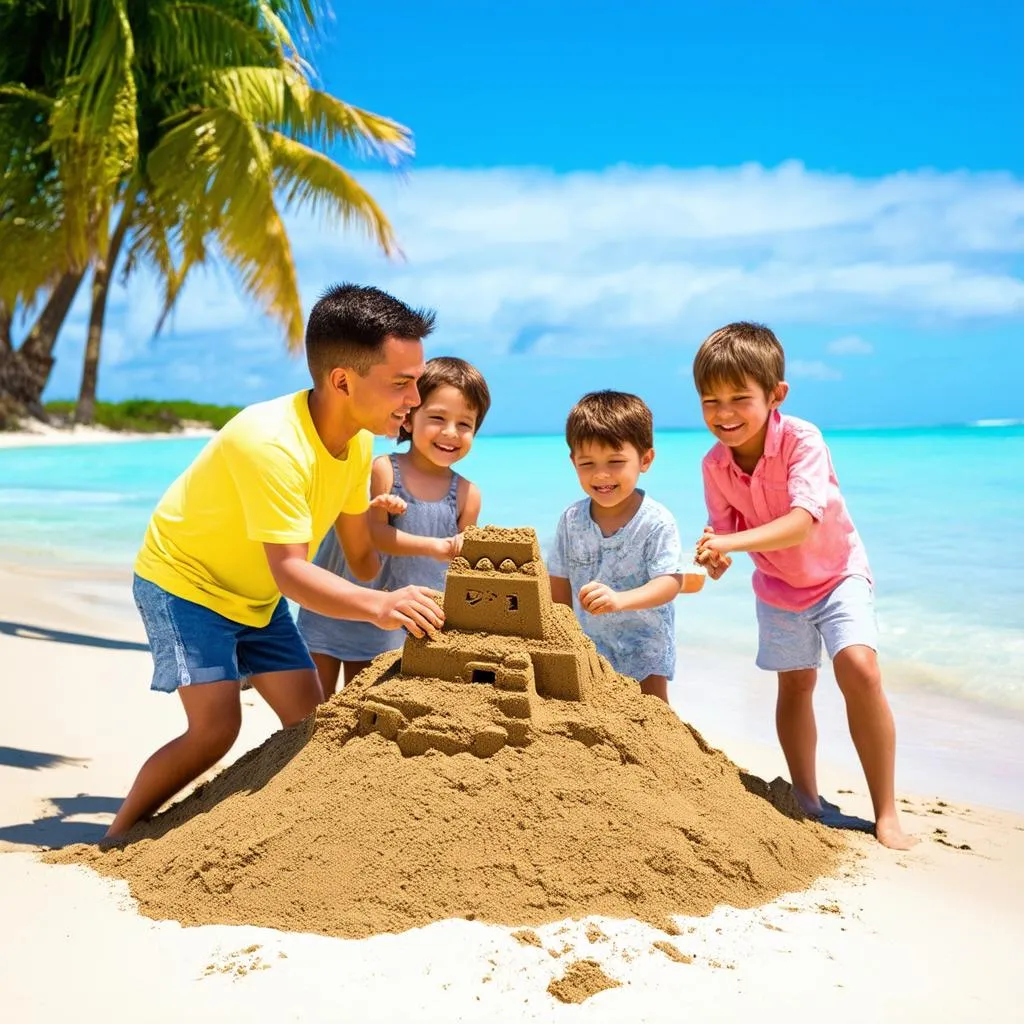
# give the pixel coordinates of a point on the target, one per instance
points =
(738, 351)
(612, 418)
(456, 373)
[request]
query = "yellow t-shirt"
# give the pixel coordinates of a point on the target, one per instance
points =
(265, 478)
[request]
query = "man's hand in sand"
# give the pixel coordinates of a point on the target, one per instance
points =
(714, 560)
(448, 548)
(392, 504)
(599, 598)
(412, 608)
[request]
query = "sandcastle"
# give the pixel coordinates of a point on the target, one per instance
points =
(499, 771)
(501, 626)
(503, 632)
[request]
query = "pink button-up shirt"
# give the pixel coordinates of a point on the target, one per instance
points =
(795, 471)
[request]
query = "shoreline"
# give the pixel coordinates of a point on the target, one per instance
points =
(79, 718)
(43, 435)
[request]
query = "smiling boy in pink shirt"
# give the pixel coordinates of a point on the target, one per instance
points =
(771, 491)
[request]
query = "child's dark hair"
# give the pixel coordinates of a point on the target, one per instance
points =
(738, 351)
(456, 373)
(611, 418)
(349, 323)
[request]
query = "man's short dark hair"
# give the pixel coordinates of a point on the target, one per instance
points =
(349, 323)
(610, 418)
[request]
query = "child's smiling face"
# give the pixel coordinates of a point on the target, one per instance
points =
(737, 413)
(444, 426)
(609, 475)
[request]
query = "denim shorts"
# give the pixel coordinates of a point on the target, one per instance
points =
(789, 641)
(192, 644)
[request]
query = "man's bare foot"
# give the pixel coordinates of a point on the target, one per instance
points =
(889, 833)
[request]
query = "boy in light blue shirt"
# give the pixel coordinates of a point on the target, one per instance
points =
(617, 559)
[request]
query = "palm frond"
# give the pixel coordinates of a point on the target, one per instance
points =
(331, 119)
(14, 91)
(281, 98)
(261, 256)
(182, 37)
(309, 180)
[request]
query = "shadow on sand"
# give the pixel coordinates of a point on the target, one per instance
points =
(779, 793)
(55, 830)
(250, 773)
(35, 760)
(24, 631)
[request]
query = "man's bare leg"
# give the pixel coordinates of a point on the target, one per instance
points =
(798, 734)
(656, 686)
(353, 668)
(214, 714)
(327, 668)
(293, 695)
(874, 735)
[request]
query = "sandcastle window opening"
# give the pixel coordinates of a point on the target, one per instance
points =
(483, 675)
(511, 602)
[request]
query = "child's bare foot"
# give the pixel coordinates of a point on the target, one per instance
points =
(889, 833)
(810, 805)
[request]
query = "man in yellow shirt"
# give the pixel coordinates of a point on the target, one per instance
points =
(238, 528)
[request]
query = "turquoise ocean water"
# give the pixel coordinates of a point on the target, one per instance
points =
(940, 511)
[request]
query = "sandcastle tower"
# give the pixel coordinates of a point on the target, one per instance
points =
(501, 626)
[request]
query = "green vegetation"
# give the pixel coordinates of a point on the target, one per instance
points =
(146, 415)
(162, 134)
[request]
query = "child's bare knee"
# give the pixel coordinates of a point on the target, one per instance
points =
(798, 682)
(857, 668)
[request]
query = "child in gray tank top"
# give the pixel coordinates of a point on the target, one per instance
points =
(416, 543)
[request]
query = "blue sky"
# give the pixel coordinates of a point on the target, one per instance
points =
(599, 185)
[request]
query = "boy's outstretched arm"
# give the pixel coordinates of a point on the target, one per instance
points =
(713, 562)
(561, 592)
(599, 598)
(785, 532)
(693, 581)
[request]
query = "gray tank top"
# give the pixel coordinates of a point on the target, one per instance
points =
(358, 641)
(422, 518)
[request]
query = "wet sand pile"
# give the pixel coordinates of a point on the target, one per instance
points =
(414, 799)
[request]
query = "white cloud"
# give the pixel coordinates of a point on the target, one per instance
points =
(624, 260)
(850, 345)
(812, 369)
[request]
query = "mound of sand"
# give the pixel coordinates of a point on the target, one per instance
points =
(614, 807)
(413, 799)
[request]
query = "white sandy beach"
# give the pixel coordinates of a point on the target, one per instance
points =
(36, 434)
(933, 934)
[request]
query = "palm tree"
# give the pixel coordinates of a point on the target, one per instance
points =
(210, 126)
(36, 248)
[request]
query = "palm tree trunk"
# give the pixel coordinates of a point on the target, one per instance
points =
(6, 345)
(103, 268)
(25, 371)
(8, 410)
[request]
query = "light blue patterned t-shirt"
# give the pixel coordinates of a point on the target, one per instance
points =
(637, 643)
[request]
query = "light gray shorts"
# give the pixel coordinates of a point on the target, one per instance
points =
(788, 641)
